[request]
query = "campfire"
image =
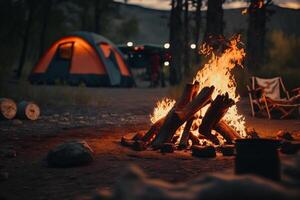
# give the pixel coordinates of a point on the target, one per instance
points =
(206, 113)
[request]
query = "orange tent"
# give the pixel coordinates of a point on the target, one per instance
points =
(83, 57)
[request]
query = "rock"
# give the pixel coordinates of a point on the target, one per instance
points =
(228, 150)
(167, 148)
(203, 152)
(289, 148)
(284, 135)
(3, 176)
(70, 154)
(16, 122)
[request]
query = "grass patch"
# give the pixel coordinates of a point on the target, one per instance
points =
(52, 95)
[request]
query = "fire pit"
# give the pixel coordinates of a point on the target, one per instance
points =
(205, 114)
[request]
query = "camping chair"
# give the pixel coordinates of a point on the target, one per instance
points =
(265, 95)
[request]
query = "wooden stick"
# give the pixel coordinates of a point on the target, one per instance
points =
(152, 132)
(182, 113)
(199, 102)
(226, 131)
(183, 143)
(213, 115)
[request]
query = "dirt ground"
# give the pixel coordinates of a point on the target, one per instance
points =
(102, 127)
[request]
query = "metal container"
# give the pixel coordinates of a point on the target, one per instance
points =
(259, 157)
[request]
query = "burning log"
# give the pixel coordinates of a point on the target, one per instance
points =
(181, 114)
(8, 108)
(188, 92)
(153, 131)
(226, 131)
(183, 143)
(28, 110)
(213, 115)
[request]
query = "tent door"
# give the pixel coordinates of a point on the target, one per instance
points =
(59, 67)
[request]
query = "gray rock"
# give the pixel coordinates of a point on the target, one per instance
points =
(70, 154)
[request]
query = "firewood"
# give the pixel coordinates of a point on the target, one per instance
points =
(188, 92)
(202, 99)
(213, 115)
(28, 110)
(8, 108)
(227, 132)
(152, 132)
(183, 143)
(181, 114)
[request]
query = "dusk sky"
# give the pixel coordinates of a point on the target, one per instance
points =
(165, 4)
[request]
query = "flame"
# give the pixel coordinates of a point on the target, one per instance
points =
(216, 72)
(162, 108)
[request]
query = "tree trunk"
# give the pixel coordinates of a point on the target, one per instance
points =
(46, 13)
(256, 35)
(197, 29)
(176, 44)
(214, 21)
(25, 40)
(186, 39)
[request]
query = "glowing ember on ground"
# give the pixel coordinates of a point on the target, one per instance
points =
(216, 72)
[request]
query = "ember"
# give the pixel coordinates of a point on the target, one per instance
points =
(206, 113)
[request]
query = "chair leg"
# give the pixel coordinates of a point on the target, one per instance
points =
(252, 107)
(267, 108)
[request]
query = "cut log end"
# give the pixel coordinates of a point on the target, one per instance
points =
(8, 108)
(28, 110)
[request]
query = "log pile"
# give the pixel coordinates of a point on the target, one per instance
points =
(186, 112)
(24, 110)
